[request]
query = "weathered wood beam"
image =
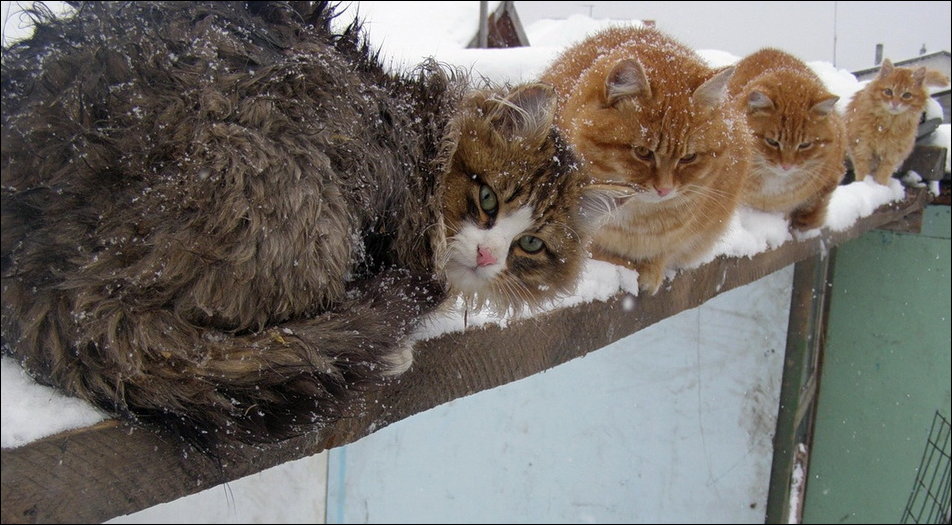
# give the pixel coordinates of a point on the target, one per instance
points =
(110, 469)
(927, 161)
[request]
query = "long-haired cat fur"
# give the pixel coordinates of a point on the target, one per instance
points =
(644, 111)
(882, 119)
(225, 218)
(799, 144)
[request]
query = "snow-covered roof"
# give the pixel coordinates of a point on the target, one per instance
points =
(409, 32)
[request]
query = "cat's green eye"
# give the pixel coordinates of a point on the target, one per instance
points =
(531, 244)
(907, 95)
(771, 142)
(888, 92)
(643, 153)
(487, 199)
(805, 145)
(687, 159)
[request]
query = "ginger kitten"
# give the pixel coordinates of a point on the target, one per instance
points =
(644, 111)
(799, 140)
(882, 119)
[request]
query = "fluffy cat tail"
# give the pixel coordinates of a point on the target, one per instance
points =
(213, 388)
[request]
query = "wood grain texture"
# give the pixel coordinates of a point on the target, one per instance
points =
(110, 469)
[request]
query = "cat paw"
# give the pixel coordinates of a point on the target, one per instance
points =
(650, 279)
(809, 221)
(399, 360)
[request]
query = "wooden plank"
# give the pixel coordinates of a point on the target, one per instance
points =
(798, 386)
(927, 161)
(911, 223)
(96, 473)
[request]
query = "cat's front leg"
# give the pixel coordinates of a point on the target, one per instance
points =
(604, 255)
(650, 271)
(651, 274)
(862, 162)
(889, 163)
(810, 216)
(884, 171)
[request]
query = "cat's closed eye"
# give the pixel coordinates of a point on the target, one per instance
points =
(688, 159)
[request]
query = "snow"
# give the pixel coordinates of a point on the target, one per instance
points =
(566, 32)
(31, 411)
(395, 27)
(798, 480)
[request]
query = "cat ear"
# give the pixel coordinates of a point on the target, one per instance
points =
(713, 92)
(527, 113)
(627, 79)
(825, 106)
(599, 201)
(936, 78)
(919, 75)
(886, 68)
(757, 101)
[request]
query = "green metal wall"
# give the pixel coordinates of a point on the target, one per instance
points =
(885, 373)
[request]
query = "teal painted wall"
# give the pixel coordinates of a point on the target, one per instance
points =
(886, 371)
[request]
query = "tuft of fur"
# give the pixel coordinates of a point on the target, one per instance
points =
(643, 111)
(224, 218)
(882, 119)
(799, 143)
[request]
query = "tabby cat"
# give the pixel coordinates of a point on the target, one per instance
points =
(799, 138)
(644, 111)
(224, 218)
(882, 119)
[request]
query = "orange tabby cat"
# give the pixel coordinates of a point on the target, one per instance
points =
(799, 140)
(644, 111)
(882, 118)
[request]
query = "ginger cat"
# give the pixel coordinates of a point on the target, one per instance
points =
(799, 140)
(644, 111)
(882, 119)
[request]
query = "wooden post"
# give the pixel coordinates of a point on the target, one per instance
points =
(798, 386)
(483, 33)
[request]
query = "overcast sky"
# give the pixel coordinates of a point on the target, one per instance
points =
(842, 33)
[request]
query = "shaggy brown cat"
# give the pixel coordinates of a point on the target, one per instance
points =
(642, 110)
(799, 139)
(224, 218)
(882, 119)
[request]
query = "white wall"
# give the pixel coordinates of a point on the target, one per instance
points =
(672, 424)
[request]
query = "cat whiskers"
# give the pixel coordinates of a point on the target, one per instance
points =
(714, 195)
(445, 255)
(515, 292)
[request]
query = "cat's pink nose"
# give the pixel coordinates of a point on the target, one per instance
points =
(663, 191)
(484, 256)
(786, 167)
